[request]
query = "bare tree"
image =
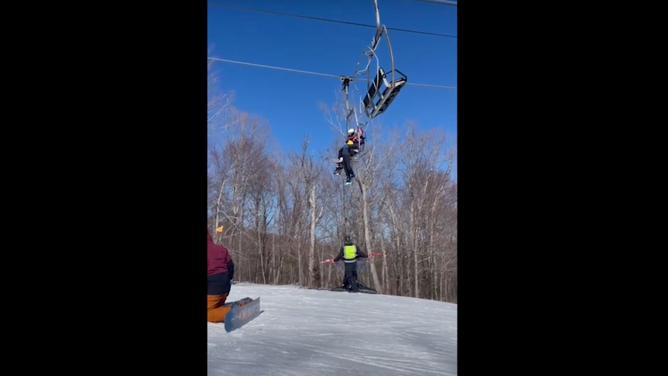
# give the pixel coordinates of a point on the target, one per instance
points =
(284, 212)
(420, 167)
(304, 166)
(218, 101)
(240, 165)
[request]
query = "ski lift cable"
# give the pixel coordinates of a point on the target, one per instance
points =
(337, 76)
(439, 2)
(330, 20)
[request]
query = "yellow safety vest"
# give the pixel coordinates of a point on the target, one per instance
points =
(349, 252)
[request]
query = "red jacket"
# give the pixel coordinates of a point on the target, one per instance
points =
(218, 259)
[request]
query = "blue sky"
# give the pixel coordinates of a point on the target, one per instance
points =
(289, 101)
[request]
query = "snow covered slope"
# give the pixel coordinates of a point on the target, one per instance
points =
(319, 333)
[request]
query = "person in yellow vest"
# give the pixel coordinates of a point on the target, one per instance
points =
(349, 253)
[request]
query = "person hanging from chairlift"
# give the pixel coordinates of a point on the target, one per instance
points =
(352, 136)
(343, 161)
(357, 137)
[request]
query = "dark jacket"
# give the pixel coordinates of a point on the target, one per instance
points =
(358, 253)
(344, 151)
(218, 259)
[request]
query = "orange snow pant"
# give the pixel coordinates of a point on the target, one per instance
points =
(215, 312)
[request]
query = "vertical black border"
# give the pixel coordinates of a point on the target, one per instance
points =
(170, 194)
(115, 189)
(512, 192)
(532, 136)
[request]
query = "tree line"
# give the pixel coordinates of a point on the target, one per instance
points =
(282, 213)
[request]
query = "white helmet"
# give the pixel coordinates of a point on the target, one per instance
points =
(351, 131)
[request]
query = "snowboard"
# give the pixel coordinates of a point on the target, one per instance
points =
(239, 316)
(364, 289)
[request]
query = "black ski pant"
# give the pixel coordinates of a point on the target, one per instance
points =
(344, 153)
(351, 276)
(345, 278)
(346, 165)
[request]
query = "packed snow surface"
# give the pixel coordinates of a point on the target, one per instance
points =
(319, 333)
